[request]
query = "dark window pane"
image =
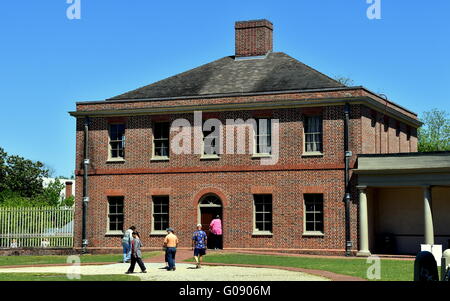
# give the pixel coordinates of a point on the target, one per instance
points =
(160, 212)
(314, 212)
(309, 206)
(259, 217)
(309, 226)
(161, 139)
(117, 138)
(319, 226)
(165, 225)
(210, 142)
(116, 216)
(268, 217)
(309, 217)
(263, 212)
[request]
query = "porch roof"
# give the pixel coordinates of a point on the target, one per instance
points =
(404, 169)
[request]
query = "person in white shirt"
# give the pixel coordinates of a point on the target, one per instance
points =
(126, 243)
(14, 244)
(45, 243)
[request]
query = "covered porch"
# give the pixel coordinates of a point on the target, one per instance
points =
(404, 201)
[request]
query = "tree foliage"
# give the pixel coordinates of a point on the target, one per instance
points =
(344, 80)
(21, 183)
(434, 135)
(51, 194)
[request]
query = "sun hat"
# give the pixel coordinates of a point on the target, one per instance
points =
(199, 225)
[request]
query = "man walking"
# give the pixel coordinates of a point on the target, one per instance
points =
(216, 231)
(126, 243)
(199, 241)
(136, 255)
(171, 243)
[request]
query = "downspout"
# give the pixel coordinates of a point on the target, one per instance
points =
(347, 198)
(85, 184)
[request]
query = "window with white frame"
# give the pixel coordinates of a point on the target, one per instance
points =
(313, 213)
(161, 131)
(160, 213)
(117, 140)
(211, 140)
(313, 134)
(115, 213)
(263, 212)
(263, 136)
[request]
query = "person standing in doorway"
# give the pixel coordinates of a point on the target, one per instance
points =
(216, 232)
(199, 241)
(136, 254)
(126, 244)
(171, 243)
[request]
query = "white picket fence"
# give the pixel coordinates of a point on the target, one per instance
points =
(36, 227)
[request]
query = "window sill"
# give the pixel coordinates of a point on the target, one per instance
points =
(256, 156)
(159, 159)
(114, 233)
(262, 233)
(158, 233)
(209, 157)
(313, 234)
(312, 154)
(115, 160)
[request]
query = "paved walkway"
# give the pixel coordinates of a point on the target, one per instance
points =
(184, 272)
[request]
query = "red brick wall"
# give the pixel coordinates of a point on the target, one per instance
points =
(237, 214)
(289, 179)
(185, 176)
(377, 138)
(340, 94)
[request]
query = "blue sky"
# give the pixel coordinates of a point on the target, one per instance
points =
(48, 62)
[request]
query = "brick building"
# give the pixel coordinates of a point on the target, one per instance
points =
(297, 204)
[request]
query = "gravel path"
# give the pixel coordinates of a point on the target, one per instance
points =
(184, 272)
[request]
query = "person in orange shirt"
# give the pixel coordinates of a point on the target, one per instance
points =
(171, 242)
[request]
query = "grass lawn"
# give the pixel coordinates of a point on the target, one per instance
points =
(63, 277)
(28, 260)
(391, 270)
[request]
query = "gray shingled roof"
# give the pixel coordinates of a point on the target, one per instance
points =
(277, 72)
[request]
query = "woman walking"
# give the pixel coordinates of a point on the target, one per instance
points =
(216, 232)
(136, 255)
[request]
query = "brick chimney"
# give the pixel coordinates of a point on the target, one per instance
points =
(68, 189)
(253, 38)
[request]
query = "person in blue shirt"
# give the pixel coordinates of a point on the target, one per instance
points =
(199, 242)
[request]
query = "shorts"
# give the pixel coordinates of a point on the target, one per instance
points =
(199, 252)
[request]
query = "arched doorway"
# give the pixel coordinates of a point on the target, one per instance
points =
(209, 207)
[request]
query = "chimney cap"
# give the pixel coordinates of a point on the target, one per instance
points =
(253, 24)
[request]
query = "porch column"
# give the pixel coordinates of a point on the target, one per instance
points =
(428, 216)
(363, 223)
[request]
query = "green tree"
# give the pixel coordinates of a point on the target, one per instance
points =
(3, 158)
(51, 195)
(24, 176)
(434, 135)
(68, 201)
(21, 176)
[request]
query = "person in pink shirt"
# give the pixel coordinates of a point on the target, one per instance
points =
(216, 231)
